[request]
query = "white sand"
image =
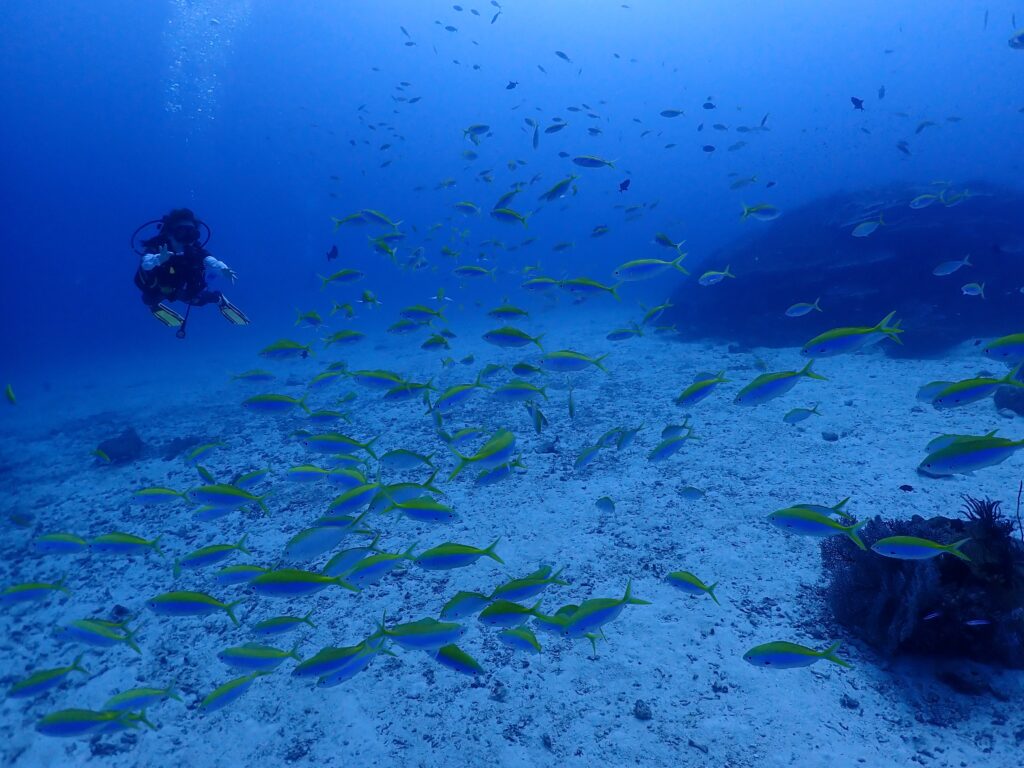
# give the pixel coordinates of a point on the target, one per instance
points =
(681, 655)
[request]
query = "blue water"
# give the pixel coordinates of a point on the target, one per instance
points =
(268, 119)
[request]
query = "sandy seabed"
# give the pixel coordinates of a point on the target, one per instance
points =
(668, 687)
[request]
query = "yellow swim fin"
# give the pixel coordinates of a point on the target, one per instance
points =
(167, 316)
(233, 314)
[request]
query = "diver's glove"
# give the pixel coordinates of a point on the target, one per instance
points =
(153, 260)
(228, 273)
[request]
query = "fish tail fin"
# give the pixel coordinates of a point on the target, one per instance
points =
(816, 305)
(628, 599)
(77, 664)
(306, 620)
(382, 630)
(598, 363)
(889, 328)
(129, 640)
(838, 508)
(829, 654)
(806, 371)
(982, 287)
(711, 591)
(556, 578)
(851, 532)
(140, 717)
(294, 652)
(177, 568)
(676, 262)
(746, 212)
(368, 446)
(340, 581)
(954, 549)
(262, 504)
(727, 273)
(302, 403)
(1014, 377)
(240, 546)
(492, 554)
(967, 262)
(885, 321)
(463, 463)
(536, 340)
(337, 222)
(614, 291)
(429, 483)
(229, 609)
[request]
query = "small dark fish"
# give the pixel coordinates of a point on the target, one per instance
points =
(857, 103)
(977, 623)
(764, 119)
(906, 488)
(450, 28)
(709, 105)
(881, 92)
(903, 147)
(769, 185)
(563, 154)
(563, 56)
(708, 148)
(624, 185)
(494, 18)
(931, 616)
(555, 128)
(333, 253)
(511, 85)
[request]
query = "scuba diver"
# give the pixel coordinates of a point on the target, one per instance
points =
(174, 267)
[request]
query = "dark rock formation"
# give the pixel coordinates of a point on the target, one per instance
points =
(809, 253)
(1011, 398)
(125, 448)
(943, 606)
(174, 448)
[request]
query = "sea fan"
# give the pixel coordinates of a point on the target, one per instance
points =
(987, 514)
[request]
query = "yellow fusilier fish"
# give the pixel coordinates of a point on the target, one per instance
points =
(841, 341)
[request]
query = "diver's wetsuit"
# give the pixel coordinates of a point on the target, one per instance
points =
(182, 277)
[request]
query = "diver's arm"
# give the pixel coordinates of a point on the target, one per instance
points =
(154, 260)
(219, 266)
